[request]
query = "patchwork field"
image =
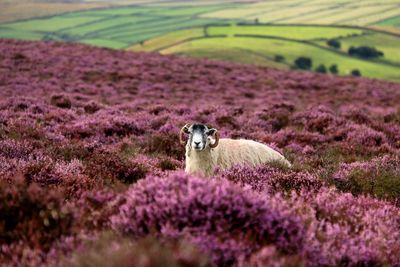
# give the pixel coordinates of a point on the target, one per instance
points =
(114, 27)
(253, 32)
(339, 12)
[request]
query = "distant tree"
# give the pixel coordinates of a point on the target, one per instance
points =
(365, 52)
(334, 43)
(303, 63)
(321, 69)
(279, 58)
(334, 69)
(356, 73)
(256, 21)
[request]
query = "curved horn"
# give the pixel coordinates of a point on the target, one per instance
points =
(216, 141)
(183, 131)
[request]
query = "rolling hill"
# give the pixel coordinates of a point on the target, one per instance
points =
(267, 33)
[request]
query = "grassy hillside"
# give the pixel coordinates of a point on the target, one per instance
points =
(260, 44)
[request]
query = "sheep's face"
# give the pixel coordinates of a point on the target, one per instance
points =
(199, 136)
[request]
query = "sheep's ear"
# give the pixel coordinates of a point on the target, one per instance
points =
(211, 131)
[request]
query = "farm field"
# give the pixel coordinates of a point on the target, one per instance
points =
(13, 10)
(91, 162)
(155, 18)
(117, 27)
(346, 12)
(260, 44)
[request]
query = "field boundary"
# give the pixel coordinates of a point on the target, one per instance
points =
(190, 40)
(319, 25)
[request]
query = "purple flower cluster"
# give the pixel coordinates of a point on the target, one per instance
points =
(347, 230)
(379, 177)
(227, 221)
(272, 180)
(89, 144)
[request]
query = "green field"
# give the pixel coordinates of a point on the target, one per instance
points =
(251, 32)
(259, 44)
(394, 21)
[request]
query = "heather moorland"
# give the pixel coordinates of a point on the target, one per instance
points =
(91, 164)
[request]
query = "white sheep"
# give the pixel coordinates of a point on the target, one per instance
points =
(204, 155)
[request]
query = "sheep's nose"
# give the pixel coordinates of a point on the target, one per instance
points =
(197, 143)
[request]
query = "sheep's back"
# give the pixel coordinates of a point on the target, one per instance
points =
(245, 152)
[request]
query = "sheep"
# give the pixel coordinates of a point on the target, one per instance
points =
(204, 154)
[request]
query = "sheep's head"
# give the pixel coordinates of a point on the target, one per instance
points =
(199, 136)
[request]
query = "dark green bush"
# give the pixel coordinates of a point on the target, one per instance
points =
(334, 43)
(279, 58)
(365, 52)
(356, 73)
(321, 69)
(334, 69)
(303, 63)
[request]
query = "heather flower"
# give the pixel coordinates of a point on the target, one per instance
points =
(31, 215)
(204, 209)
(272, 180)
(343, 229)
(378, 176)
(319, 119)
(365, 136)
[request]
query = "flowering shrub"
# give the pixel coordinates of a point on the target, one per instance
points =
(365, 136)
(31, 216)
(272, 180)
(106, 165)
(379, 177)
(92, 135)
(347, 230)
(224, 220)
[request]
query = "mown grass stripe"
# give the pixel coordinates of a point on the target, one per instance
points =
(106, 32)
(153, 25)
(107, 24)
(364, 15)
(162, 30)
